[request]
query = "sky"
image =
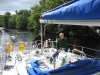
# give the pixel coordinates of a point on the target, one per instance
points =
(13, 5)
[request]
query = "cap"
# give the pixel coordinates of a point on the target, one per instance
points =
(39, 31)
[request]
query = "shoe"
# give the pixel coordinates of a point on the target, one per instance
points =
(48, 57)
(51, 60)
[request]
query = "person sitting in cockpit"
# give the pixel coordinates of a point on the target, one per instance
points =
(61, 43)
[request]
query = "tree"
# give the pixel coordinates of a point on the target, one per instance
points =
(22, 19)
(12, 22)
(1, 20)
(33, 20)
(6, 19)
(21, 22)
(26, 13)
(8, 14)
(16, 12)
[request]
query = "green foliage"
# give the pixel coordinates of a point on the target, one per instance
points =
(29, 19)
(33, 20)
(8, 14)
(59, 29)
(1, 20)
(22, 19)
(12, 22)
(6, 19)
(26, 13)
(21, 22)
(51, 28)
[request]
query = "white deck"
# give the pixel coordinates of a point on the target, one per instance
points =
(20, 66)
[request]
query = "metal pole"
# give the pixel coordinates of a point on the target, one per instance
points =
(44, 30)
(41, 39)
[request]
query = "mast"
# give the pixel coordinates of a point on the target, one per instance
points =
(41, 27)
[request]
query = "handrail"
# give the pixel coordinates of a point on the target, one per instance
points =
(81, 52)
(92, 56)
(88, 49)
(50, 44)
(84, 47)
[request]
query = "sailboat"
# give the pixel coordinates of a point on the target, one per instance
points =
(24, 60)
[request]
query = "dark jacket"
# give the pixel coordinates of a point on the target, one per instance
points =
(62, 43)
(38, 39)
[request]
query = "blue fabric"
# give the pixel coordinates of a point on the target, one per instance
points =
(39, 71)
(75, 10)
(30, 71)
(34, 64)
(36, 69)
(80, 67)
(66, 4)
(35, 61)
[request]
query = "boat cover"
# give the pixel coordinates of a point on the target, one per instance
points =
(80, 67)
(34, 69)
(74, 10)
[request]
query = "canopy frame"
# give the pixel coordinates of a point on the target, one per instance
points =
(95, 22)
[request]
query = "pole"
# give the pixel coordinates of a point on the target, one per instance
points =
(44, 30)
(41, 39)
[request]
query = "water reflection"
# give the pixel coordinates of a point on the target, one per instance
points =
(24, 36)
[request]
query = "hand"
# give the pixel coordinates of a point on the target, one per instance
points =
(31, 44)
(58, 50)
(44, 42)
